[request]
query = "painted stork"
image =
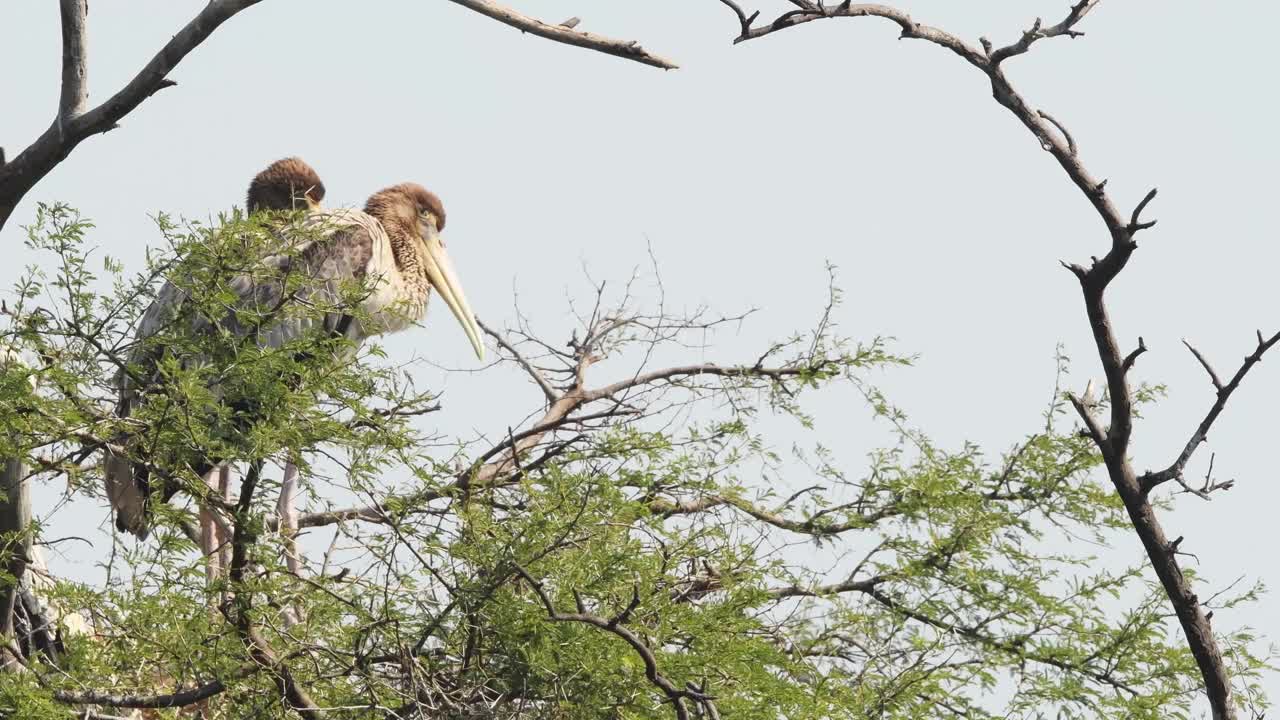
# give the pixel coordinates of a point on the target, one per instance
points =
(286, 184)
(394, 245)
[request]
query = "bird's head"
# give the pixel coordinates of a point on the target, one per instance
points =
(288, 184)
(410, 212)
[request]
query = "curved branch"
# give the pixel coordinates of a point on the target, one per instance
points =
(910, 28)
(182, 698)
(1114, 442)
(626, 49)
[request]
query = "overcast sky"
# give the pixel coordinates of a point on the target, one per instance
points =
(746, 170)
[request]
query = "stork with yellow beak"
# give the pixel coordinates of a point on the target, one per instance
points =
(394, 246)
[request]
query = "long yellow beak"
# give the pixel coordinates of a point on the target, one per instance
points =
(445, 280)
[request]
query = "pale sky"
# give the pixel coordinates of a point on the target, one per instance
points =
(746, 170)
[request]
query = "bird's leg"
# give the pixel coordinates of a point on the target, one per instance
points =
(287, 509)
(224, 531)
(209, 537)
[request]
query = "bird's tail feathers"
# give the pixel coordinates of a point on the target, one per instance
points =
(126, 495)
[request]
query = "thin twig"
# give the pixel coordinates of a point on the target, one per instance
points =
(1213, 376)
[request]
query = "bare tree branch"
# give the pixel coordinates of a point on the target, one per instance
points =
(1071, 143)
(52, 147)
(1132, 357)
(1152, 480)
(1066, 27)
(1213, 376)
(910, 28)
(567, 34)
(75, 61)
(1114, 441)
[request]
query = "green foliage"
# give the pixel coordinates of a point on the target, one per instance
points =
(632, 559)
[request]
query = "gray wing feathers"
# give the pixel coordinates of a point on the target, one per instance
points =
(326, 265)
(343, 245)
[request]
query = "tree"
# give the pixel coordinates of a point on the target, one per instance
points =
(618, 552)
(610, 555)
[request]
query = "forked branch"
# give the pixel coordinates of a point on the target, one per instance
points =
(1150, 481)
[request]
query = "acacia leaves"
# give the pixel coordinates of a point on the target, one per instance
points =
(624, 549)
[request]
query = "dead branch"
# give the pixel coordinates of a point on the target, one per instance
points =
(567, 34)
(1213, 376)
(1114, 440)
(1066, 27)
(1150, 481)
(72, 124)
(75, 66)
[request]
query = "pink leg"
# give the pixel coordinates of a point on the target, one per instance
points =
(209, 538)
(224, 532)
(287, 509)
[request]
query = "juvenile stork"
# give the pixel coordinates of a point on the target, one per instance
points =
(394, 246)
(286, 184)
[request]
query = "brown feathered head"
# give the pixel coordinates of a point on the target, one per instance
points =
(406, 203)
(413, 217)
(286, 184)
